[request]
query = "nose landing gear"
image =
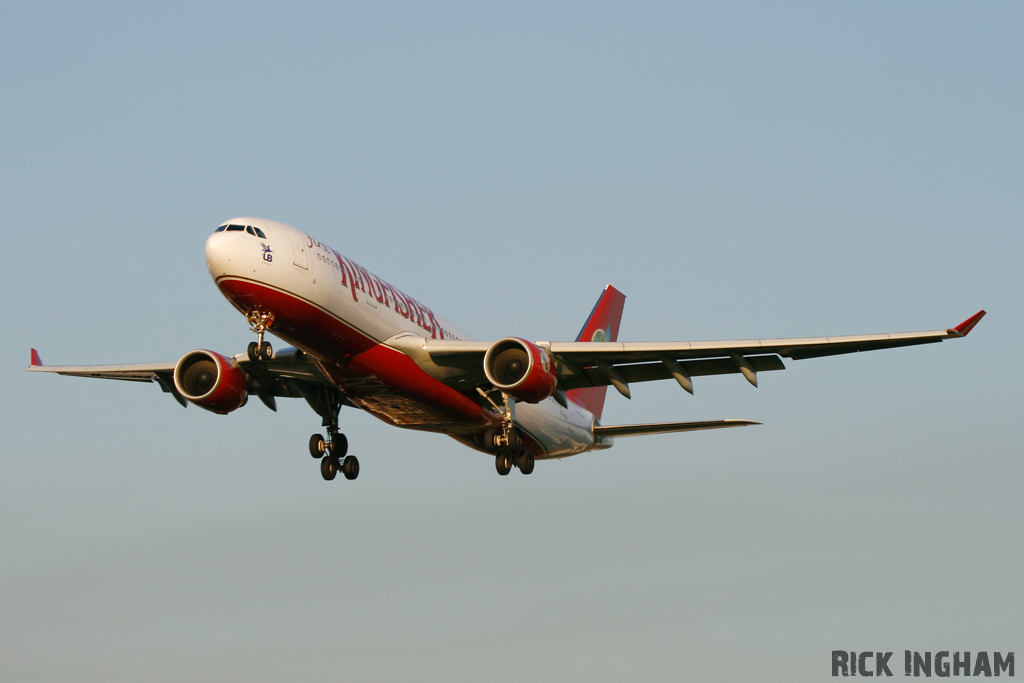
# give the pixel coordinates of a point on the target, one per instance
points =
(259, 322)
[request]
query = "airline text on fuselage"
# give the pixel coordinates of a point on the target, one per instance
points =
(356, 278)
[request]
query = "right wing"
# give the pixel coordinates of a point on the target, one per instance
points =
(288, 374)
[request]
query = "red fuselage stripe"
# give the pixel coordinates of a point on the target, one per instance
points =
(346, 352)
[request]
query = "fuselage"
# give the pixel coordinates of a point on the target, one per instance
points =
(343, 317)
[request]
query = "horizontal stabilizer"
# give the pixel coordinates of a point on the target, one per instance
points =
(667, 427)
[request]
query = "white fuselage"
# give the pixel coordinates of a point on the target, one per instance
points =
(344, 316)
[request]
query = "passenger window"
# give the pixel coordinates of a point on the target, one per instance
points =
(220, 229)
(248, 229)
(236, 228)
(259, 233)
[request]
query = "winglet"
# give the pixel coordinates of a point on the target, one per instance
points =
(966, 326)
(36, 361)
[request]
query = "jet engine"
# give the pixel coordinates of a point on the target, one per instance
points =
(211, 381)
(521, 369)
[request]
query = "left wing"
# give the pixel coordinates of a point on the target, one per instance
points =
(592, 364)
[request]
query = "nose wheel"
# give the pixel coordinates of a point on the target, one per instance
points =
(260, 351)
(259, 322)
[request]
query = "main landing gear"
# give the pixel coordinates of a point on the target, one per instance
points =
(332, 451)
(332, 455)
(260, 322)
(507, 441)
(503, 462)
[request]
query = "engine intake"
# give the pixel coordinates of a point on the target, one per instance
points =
(521, 369)
(211, 381)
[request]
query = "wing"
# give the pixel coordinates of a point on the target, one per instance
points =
(288, 374)
(592, 364)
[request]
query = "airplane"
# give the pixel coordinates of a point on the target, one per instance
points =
(357, 341)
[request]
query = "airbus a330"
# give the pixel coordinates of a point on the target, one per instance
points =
(357, 341)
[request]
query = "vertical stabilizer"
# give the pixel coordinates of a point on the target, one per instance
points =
(601, 326)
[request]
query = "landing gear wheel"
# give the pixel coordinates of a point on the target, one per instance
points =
(266, 351)
(503, 464)
(339, 446)
(350, 467)
(328, 467)
(253, 351)
(317, 446)
(526, 463)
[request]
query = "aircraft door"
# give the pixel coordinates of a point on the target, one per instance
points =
(300, 256)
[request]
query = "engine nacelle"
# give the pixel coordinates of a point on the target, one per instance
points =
(211, 381)
(521, 369)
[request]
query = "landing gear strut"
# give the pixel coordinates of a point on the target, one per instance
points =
(508, 437)
(332, 451)
(507, 441)
(260, 322)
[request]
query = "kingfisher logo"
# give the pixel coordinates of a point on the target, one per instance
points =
(268, 253)
(601, 335)
(943, 665)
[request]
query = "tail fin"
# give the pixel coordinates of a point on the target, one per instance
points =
(601, 326)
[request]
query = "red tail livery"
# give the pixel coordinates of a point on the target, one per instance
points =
(601, 326)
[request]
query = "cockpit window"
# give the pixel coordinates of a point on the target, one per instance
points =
(252, 230)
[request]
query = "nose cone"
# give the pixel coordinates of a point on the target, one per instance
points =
(220, 248)
(240, 247)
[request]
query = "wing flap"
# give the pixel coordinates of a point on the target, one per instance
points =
(649, 372)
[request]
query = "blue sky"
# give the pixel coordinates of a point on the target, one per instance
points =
(737, 171)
